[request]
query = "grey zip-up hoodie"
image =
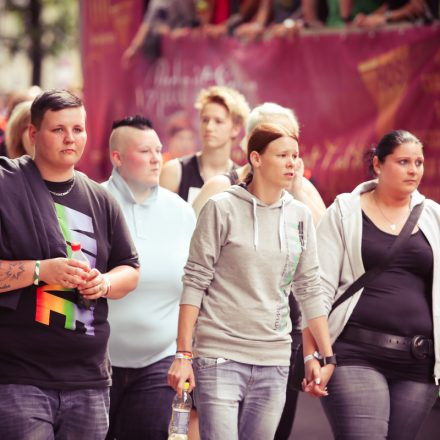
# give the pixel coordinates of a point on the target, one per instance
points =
(340, 256)
(244, 257)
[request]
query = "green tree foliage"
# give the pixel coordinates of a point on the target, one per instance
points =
(40, 28)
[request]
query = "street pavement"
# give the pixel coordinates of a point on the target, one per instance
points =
(311, 423)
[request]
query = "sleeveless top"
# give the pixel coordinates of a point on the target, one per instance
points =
(191, 177)
(191, 180)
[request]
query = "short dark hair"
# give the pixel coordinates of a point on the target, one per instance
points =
(387, 145)
(52, 100)
(135, 121)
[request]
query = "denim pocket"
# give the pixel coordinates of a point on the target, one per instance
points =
(204, 363)
(283, 371)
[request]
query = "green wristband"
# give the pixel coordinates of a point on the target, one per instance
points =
(37, 272)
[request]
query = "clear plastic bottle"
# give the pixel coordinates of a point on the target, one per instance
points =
(178, 429)
(78, 254)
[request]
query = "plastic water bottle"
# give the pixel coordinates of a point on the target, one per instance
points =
(78, 254)
(178, 429)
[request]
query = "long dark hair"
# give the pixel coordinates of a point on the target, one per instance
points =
(387, 145)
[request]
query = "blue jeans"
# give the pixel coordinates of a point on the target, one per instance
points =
(363, 404)
(238, 401)
(140, 402)
(31, 413)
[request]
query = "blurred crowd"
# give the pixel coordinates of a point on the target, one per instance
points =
(14, 122)
(250, 20)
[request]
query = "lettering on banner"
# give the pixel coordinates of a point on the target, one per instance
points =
(174, 85)
(110, 24)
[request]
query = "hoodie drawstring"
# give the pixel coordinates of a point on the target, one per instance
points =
(281, 227)
(254, 206)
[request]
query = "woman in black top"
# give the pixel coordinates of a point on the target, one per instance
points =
(384, 385)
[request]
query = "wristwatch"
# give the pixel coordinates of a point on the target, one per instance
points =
(329, 360)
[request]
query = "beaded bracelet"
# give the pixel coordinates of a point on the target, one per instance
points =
(37, 272)
(185, 356)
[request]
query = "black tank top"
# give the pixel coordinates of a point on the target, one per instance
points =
(191, 177)
(397, 302)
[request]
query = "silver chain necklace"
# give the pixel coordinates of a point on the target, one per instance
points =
(65, 192)
(393, 225)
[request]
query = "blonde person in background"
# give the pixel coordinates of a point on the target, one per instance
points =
(235, 298)
(17, 139)
(223, 112)
(301, 188)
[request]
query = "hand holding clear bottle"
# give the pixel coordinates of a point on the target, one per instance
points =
(178, 428)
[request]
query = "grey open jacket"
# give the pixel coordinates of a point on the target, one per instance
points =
(339, 238)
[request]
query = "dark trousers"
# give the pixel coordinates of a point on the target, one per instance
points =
(288, 416)
(140, 402)
(31, 413)
(363, 404)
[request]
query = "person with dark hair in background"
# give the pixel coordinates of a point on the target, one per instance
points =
(386, 335)
(392, 11)
(235, 298)
(144, 324)
(161, 18)
(54, 368)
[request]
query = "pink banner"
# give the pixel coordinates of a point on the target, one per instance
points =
(347, 89)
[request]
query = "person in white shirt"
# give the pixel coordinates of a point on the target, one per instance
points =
(144, 327)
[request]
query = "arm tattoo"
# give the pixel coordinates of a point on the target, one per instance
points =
(11, 271)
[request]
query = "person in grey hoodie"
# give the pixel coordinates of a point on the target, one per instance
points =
(251, 243)
(387, 335)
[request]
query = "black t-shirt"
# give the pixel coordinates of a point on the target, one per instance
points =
(48, 341)
(397, 302)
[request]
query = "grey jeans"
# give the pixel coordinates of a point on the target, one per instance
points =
(363, 404)
(31, 413)
(238, 401)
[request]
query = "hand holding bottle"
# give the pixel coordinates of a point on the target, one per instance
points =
(179, 424)
(64, 272)
(95, 286)
(181, 372)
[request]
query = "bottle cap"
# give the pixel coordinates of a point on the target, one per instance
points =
(75, 246)
(186, 386)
